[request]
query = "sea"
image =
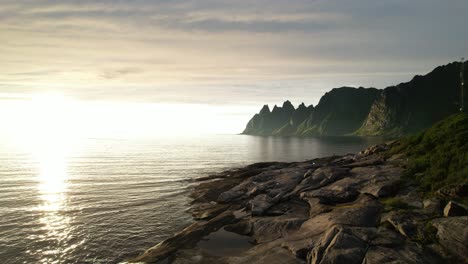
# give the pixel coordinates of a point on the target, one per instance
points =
(105, 200)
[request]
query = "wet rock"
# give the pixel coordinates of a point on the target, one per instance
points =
(243, 227)
(452, 233)
(454, 209)
(187, 238)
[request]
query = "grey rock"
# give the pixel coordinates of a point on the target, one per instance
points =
(342, 245)
(265, 229)
(402, 222)
(260, 204)
(452, 233)
(320, 177)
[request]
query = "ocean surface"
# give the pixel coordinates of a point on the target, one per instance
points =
(107, 200)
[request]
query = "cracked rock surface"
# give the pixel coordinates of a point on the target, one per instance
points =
(326, 210)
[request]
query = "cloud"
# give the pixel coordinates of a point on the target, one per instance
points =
(119, 73)
(222, 50)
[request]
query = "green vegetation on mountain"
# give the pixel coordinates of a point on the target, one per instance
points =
(438, 157)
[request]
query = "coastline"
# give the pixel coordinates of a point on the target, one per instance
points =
(353, 208)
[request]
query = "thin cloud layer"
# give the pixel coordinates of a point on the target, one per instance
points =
(233, 52)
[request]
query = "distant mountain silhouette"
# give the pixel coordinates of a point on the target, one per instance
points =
(402, 109)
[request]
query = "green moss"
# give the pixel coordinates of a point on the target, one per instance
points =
(438, 156)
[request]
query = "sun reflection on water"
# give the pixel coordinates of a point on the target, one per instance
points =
(49, 141)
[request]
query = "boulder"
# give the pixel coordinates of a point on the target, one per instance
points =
(454, 209)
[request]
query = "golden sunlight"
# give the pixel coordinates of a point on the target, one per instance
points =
(55, 119)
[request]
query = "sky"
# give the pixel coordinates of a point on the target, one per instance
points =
(230, 57)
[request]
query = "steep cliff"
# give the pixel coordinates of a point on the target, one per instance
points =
(415, 105)
(339, 112)
(298, 117)
(284, 118)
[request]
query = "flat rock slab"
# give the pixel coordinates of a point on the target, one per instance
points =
(452, 233)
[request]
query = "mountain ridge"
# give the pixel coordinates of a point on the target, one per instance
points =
(405, 108)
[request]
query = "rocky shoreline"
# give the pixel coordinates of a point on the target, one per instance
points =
(342, 209)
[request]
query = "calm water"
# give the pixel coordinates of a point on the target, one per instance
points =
(106, 200)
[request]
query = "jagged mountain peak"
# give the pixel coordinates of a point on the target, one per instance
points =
(288, 105)
(265, 110)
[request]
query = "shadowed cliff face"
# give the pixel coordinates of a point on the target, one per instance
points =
(339, 112)
(403, 109)
(415, 105)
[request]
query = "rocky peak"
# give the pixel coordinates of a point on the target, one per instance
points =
(288, 106)
(265, 110)
(275, 109)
